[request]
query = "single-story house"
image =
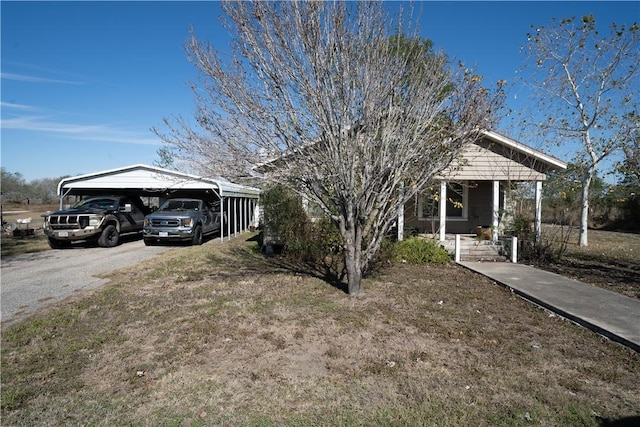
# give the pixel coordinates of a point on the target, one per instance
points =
(475, 189)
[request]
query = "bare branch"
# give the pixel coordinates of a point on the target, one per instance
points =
(338, 105)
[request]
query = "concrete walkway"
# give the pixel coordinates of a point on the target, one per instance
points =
(608, 313)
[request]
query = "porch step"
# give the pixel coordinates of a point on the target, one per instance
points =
(482, 253)
(474, 250)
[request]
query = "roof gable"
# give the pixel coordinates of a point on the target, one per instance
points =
(496, 157)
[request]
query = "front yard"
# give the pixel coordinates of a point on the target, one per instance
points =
(219, 335)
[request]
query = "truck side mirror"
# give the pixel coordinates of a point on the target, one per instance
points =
(127, 208)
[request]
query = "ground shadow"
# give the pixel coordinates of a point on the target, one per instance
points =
(93, 242)
(633, 421)
(274, 256)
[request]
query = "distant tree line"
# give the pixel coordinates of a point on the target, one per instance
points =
(612, 206)
(15, 189)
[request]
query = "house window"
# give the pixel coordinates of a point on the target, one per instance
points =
(457, 202)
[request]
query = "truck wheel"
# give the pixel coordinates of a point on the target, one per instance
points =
(109, 237)
(197, 236)
(58, 244)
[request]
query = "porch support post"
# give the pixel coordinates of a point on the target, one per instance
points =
(495, 220)
(537, 226)
(443, 210)
(400, 219)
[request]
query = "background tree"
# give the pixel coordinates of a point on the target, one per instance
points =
(629, 185)
(13, 186)
(562, 197)
(630, 167)
(359, 112)
(17, 190)
(587, 90)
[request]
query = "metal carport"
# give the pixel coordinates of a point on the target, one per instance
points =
(239, 202)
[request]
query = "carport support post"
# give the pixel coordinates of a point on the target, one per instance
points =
(241, 207)
(245, 212)
(235, 215)
(228, 218)
(222, 224)
(63, 194)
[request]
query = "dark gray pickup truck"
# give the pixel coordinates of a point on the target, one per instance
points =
(104, 218)
(181, 220)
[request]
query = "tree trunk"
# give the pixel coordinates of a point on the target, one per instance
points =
(584, 210)
(353, 261)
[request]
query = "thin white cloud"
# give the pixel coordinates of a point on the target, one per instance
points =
(102, 133)
(33, 79)
(71, 78)
(14, 106)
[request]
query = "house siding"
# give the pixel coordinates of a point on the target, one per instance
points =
(485, 161)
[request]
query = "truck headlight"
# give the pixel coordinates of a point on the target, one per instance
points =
(147, 222)
(186, 222)
(95, 220)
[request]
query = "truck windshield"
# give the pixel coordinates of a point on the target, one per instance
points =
(99, 203)
(177, 205)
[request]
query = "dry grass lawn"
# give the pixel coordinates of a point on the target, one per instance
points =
(611, 261)
(219, 335)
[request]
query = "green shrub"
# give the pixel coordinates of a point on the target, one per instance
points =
(287, 226)
(326, 237)
(284, 217)
(419, 251)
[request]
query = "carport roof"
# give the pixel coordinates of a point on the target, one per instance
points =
(150, 181)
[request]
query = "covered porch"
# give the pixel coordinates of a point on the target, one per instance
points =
(474, 196)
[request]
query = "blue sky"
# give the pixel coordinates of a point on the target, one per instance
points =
(83, 82)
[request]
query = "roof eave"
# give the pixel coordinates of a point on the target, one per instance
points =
(551, 161)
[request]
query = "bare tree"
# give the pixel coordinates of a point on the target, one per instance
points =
(358, 115)
(587, 89)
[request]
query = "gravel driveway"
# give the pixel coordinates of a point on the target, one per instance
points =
(32, 281)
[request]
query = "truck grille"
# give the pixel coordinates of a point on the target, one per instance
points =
(63, 222)
(165, 222)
